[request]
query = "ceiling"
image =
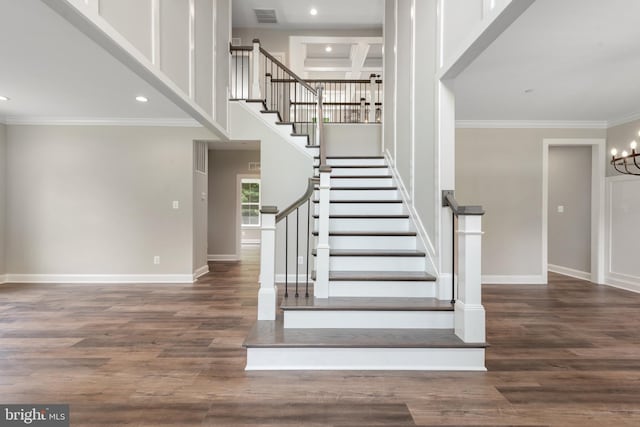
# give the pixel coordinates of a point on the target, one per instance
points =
(294, 14)
(561, 60)
(50, 70)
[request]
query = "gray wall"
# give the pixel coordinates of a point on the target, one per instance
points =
(200, 216)
(3, 182)
(224, 168)
(98, 200)
(570, 187)
(501, 169)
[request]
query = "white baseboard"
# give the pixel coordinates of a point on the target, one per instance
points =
(99, 278)
(223, 258)
(628, 283)
(200, 272)
(302, 278)
(513, 280)
(566, 271)
(3, 279)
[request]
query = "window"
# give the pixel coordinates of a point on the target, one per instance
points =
(250, 201)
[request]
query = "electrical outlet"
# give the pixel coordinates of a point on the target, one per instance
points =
(300, 260)
(176, 204)
(156, 259)
(560, 209)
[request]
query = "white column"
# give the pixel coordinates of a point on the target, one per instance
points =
(372, 96)
(469, 312)
(255, 75)
(268, 294)
(321, 286)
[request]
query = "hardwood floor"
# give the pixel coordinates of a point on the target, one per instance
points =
(159, 355)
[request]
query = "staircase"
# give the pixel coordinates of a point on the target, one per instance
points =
(382, 312)
(374, 301)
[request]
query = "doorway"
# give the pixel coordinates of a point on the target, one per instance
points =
(573, 208)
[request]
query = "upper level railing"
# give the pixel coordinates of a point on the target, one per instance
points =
(295, 99)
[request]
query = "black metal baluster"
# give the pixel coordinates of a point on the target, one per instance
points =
(286, 257)
(297, 245)
(306, 293)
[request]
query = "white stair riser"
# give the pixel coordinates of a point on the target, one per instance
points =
(363, 195)
(372, 242)
(364, 208)
(353, 162)
(362, 182)
(382, 289)
(391, 263)
(336, 172)
(360, 319)
(367, 224)
(386, 359)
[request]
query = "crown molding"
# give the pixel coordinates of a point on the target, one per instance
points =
(623, 120)
(530, 124)
(83, 121)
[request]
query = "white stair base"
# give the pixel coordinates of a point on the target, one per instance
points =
(384, 359)
(382, 289)
(365, 319)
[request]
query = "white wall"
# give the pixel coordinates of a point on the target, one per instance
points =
(345, 139)
(91, 200)
(411, 46)
(167, 45)
(3, 182)
(224, 168)
(569, 231)
(277, 41)
(623, 211)
(501, 169)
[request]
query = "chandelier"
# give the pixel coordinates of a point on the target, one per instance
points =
(626, 163)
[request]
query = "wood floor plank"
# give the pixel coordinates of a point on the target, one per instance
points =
(561, 355)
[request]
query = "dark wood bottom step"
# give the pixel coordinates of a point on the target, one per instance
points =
(271, 334)
(366, 304)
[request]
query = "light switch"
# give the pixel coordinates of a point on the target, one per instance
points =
(560, 209)
(176, 204)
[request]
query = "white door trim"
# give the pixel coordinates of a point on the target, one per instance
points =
(598, 162)
(239, 178)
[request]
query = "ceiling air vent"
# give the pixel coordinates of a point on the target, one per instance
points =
(266, 16)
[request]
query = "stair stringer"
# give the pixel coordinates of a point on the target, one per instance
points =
(424, 243)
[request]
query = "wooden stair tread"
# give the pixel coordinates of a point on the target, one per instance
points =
(270, 334)
(366, 304)
(362, 201)
(379, 276)
(364, 216)
(356, 166)
(371, 233)
(351, 157)
(374, 253)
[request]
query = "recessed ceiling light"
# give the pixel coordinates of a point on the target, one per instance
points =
(4, 98)
(141, 98)
(313, 11)
(328, 49)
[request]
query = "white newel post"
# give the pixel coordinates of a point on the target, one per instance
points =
(267, 296)
(372, 96)
(469, 312)
(255, 75)
(321, 286)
